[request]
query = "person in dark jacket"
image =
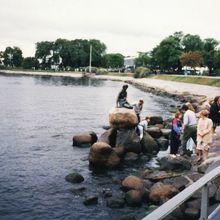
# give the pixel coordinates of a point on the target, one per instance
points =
(121, 101)
(215, 113)
(175, 134)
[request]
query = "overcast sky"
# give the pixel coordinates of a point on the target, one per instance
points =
(125, 26)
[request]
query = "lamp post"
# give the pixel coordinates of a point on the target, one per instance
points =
(90, 59)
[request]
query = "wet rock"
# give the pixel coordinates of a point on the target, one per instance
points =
(194, 203)
(146, 172)
(85, 139)
(133, 198)
(160, 192)
(74, 178)
(177, 163)
(163, 143)
(158, 175)
(122, 118)
(91, 200)
(129, 140)
(132, 182)
(192, 213)
(109, 137)
(166, 132)
(149, 145)
(156, 120)
(130, 157)
(180, 182)
(203, 167)
(101, 154)
(120, 151)
(160, 126)
(194, 176)
(154, 132)
(116, 202)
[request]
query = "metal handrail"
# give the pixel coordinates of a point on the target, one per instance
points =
(169, 206)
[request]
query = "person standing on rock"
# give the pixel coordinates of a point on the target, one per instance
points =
(142, 126)
(175, 134)
(121, 101)
(215, 113)
(138, 108)
(189, 128)
(204, 135)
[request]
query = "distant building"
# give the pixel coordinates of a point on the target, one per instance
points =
(129, 63)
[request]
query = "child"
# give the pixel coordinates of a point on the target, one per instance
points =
(142, 126)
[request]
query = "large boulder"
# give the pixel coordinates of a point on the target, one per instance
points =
(156, 120)
(160, 192)
(129, 140)
(134, 198)
(102, 155)
(132, 182)
(84, 139)
(122, 118)
(109, 137)
(163, 143)
(154, 132)
(149, 145)
(74, 177)
(177, 163)
(166, 132)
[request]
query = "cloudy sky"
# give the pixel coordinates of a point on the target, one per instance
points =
(125, 26)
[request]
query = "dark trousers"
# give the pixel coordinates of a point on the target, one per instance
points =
(174, 143)
(189, 132)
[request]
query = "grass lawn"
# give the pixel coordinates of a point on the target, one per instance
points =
(210, 81)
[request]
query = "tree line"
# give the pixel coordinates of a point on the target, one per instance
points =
(172, 53)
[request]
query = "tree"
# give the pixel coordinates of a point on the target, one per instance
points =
(12, 57)
(217, 60)
(166, 55)
(192, 43)
(192, 59)
(44, 53)
(142, 60)
(30, 63)
(113, 60)
(209, 51)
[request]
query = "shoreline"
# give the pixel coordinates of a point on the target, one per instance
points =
(184, 92)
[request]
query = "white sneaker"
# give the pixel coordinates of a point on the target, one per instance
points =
(173, 155)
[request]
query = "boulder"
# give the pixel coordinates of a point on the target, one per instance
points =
(160, 192)
(180, 182)
(91, 200)
(177, 163)
(130, 157)
(84, 139)
(192, 213)
(120, 151)
(166, 132)
(133, 198)
(132, 182)
(102, 155)
(122, 118)
(149, 145)
(163, 143)
(156, 120)
(128, 217)
(109, 137)
(154, 132)
(74, 178)
(129, 140)
(158, 175)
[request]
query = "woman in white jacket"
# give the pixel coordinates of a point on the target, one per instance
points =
(204, 135)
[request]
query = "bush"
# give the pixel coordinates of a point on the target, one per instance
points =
(93, 69)
(217, 72)
(141, 72)
(101, 71)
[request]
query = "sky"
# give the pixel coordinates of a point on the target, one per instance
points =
(125, 26)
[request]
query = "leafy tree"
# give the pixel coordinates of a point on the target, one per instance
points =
(192, 59)
(30, 63)
(166, 54)
(1, 57)
(209, 51)
(217, 60)
(113, 60)
(143, 60)
(192, 43)
(44, 53)
(12, 57)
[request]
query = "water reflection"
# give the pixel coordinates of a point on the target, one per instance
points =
(67, 81)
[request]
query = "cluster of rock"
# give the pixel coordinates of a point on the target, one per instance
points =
(121, 141)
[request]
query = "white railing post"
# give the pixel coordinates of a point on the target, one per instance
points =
(204, 202)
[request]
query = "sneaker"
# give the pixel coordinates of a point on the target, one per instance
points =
(173, 155)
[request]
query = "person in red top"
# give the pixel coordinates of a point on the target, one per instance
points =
(175, 134)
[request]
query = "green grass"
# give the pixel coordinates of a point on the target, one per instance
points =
(190, 79)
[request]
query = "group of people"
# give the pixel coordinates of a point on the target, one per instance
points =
(194, 128)
(187, 126)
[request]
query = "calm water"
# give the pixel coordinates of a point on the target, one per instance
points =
(39, 116)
